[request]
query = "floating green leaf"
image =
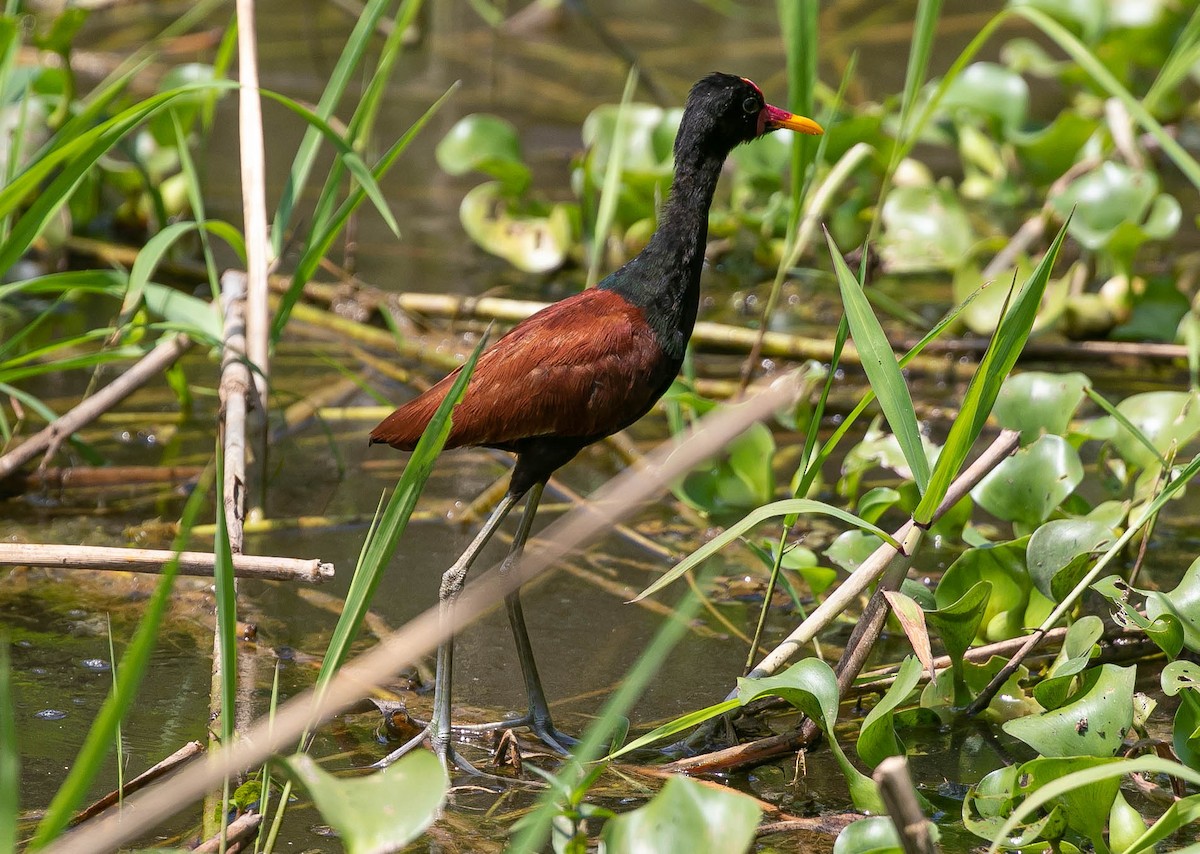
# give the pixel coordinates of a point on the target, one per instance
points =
(957, 622)
(1165, 418)
(1002, 566)
(989, 90)
(1037, 402)
(924, 228)
(485, 143)
(381, 812)
(1078, 649)
(1093, 725)
(535, 244)
(687, 815)
(1182, 604)
(874, 834)
(1028, 486)
(1059, 551)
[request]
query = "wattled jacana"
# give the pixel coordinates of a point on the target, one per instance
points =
(590, 365)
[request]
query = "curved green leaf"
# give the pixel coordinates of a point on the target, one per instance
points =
(768, 511)
(686, 815)
(878, 739)
(380, 812)
(1093, 725)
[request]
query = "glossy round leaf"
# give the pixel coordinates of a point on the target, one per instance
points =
(924, 228)
(686, 815)
(1093, 725)
(1002, 566)
(991, 90)
(1037, 402)
(872, 835)
(1062, 543)
(381, 812)
(1029, 485)
(1182, 603)
(1163, 417)
(535, 244)
(484, 143)
(1104, 199)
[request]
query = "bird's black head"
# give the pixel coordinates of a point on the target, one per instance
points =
(724, 110)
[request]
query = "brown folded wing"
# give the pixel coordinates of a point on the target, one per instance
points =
(578, 368)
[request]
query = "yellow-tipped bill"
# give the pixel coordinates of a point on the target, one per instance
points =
(773, 118)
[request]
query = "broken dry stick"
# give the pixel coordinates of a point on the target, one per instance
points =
(149, 367)
(153, 560)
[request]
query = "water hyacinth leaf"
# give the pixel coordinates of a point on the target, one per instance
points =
(1028, 486)
(882, 369)
(811, 686)
(381, 812)
(850, 548)
(648, 145)
(912, 619)
(878, 739)
(876, 502)
(1165, 629)
(484, 143)
(989, 803)
(1050, 151)
(1113, 196)
(1002, 566)
(1182, 603)
(874, 834)
(687, 815)
(1037, 402)
(950, 691)
(1093, 725)
(533, 244)
(1165, 418)
(958, 622)
(1185, 730)
(925, 228)
(1078, 649)
(1060, 544)
(1086, 807)
(750, 458)
(1180, 676)
(989, 90)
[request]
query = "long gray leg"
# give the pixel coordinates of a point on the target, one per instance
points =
(537, 718)
(452, 584)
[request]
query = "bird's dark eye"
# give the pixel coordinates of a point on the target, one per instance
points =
(750, 105)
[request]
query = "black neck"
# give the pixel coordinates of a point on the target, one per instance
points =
(664, 279)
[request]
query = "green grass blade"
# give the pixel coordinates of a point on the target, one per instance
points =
(382, 544)
(676, 726)
(798, 22)
(919, 51)
(10, 765)
(359, 130)
(226, 596)
(607, 209)
(1183, 57)
(90, 759)
(847, 423)
(195, 194)
(356, 46)
(1116, 414)
(1006, 345)
(320, 242)
(882, 369)
(75, 158)
(157, 247)
(786, 507)
(346, 153)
